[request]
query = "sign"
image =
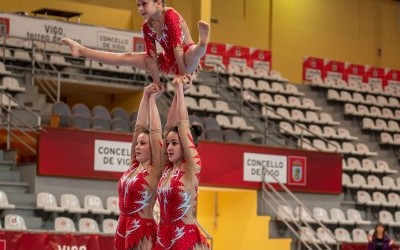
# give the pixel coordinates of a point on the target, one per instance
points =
(48, 30)
(260, 59)
(112, 156)
(312, 66)
(3, 245)
(354, 72)
(256, 165)
(237, 55)
(69, 153)
(334, 69)
(138, 44)
(297, 170)
(215, 54)
(375, 76)
(392, 78)
(18, 240)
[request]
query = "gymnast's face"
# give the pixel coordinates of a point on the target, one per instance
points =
(148, 8)
(142, 149)
(174, 147)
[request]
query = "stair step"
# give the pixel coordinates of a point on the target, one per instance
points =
(10, 176)
(21, 200)
(12, 187)
(6, 165)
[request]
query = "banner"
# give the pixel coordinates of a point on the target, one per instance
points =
(237, 55)
(392, 78)
(48, 30)
(375, 76)
(334, 69)
(71, 153)
(16, 240)
(215, 54)
(354, 72)
(312, 66)
(260, 59)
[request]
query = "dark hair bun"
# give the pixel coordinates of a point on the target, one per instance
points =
(196, 129)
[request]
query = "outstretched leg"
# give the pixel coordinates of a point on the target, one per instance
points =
(195, 53)
(134, 59)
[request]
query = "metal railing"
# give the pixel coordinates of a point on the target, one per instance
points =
(256, 111)
(270, 195)
(7, 114)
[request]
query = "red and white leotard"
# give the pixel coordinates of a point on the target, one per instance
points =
(177, 195)
(175, 33)
(137, 196)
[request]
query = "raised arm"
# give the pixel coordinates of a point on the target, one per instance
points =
(155, 129)
(142, 119)
(171, 118)
(191, 155)
(124, 58)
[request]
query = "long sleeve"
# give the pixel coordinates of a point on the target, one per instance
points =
(190, 152)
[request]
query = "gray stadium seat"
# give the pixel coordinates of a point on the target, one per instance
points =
(119, 125)
(100, 123)
(62, 112)
(231, 136)
(101, 111)
(120, 113)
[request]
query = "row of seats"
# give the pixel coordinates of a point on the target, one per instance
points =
(278, 100)
(358, 181)
(380, 125)
(336, 216)
(367, 166)
(341, 234)
(64, 225)
(207, 105)
(375, 112)
(388, 139)
(358, 98)
(379, 199)
(70, 203)
(309, 117)
(264, 86)
(200, 90)
(331, 83)
(329, 132)
(98, 118)
(360, 149)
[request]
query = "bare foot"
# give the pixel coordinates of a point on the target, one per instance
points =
(204, 30)
(74, 46)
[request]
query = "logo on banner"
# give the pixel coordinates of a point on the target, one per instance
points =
(255, 166)
(297, 170)
(2, 244)
(138, 44)
(4, 26)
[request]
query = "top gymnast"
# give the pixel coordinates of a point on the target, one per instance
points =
(181, 56)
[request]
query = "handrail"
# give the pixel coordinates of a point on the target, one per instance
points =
(208, 236)
(249, 104)
(9, 125)
(290, 193)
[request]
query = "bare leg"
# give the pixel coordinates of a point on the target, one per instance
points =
(195, 53)
(134, 59)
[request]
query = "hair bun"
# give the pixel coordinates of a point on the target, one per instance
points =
(196, 129)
